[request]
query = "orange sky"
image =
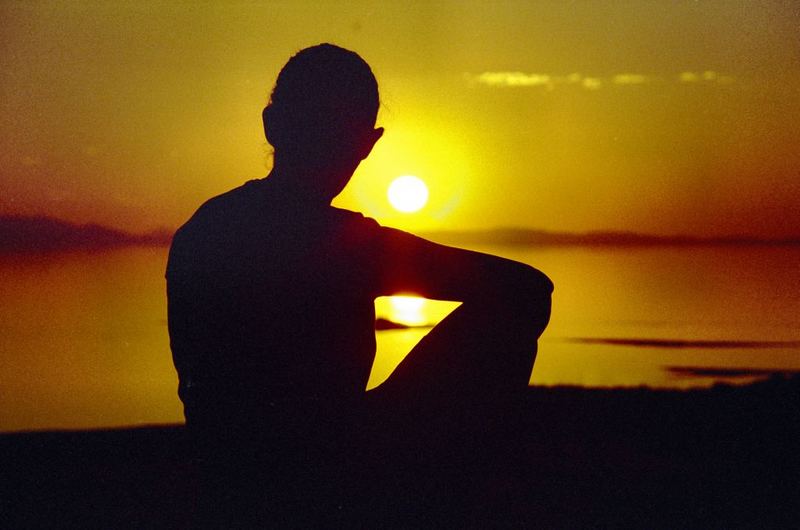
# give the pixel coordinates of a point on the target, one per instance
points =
(662, 117)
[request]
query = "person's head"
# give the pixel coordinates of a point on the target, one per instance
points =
(321, 115)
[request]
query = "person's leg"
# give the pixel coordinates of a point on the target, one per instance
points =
(479, 352)
(443, 415)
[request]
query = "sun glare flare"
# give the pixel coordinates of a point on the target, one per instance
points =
(408, 194)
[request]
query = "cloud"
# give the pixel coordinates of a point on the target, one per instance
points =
(522, 79)
(591, 83)
(515, 79)
(629, 79)
(706, 77)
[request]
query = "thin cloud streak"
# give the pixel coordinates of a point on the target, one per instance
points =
(629, 79)
(708, 76)
(591, 83)
(516, 79)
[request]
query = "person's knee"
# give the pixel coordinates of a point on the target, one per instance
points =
(530, 308)
(535, 317)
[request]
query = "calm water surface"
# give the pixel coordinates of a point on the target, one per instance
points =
(84, 343)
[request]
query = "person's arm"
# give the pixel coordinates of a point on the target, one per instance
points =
(436, 271)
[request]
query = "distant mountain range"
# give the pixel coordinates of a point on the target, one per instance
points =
(25, 234)
(22, 234)
(527, 237)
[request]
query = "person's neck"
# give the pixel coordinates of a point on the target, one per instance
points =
(301, 181)
(293, 181)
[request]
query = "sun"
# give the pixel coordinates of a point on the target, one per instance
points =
(407, 193)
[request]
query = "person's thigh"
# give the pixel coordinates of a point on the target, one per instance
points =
(478, 353)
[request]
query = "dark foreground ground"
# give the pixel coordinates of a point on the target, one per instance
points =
(727, 457)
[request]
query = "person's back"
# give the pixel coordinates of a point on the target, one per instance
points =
(271, 291)
(271, 319)
(271, 310)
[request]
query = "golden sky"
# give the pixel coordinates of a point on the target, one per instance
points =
(661, 117)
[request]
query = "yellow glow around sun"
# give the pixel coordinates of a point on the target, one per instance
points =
(407, 194)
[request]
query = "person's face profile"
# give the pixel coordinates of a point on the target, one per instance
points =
(352, 142)
(368, 139)
(358, 139)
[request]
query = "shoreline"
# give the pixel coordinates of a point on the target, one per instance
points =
(724, 456)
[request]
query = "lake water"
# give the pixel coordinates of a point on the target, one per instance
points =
(83, 337)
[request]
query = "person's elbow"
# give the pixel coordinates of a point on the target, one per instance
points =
(525, 288)
(533, 298)
(542, 282)
(534, 284)
(512, 284)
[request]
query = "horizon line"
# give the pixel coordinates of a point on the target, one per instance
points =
(43, 233)
(602, 237)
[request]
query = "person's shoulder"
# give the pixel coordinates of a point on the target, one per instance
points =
(222, 206)
(211, 218)
(355, 222)
(232, 201)
(349, 216)
(358, 229)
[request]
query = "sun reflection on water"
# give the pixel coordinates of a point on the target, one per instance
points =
(394, 344)
(407, 309)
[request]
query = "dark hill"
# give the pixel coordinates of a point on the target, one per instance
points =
(28, 234)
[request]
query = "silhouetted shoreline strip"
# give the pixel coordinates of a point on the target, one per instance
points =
(580, 458)
(528, 237)
(676, 343)
(41, 234)
(716, 371)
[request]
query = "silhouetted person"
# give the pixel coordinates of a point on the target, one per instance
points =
(271, 316)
